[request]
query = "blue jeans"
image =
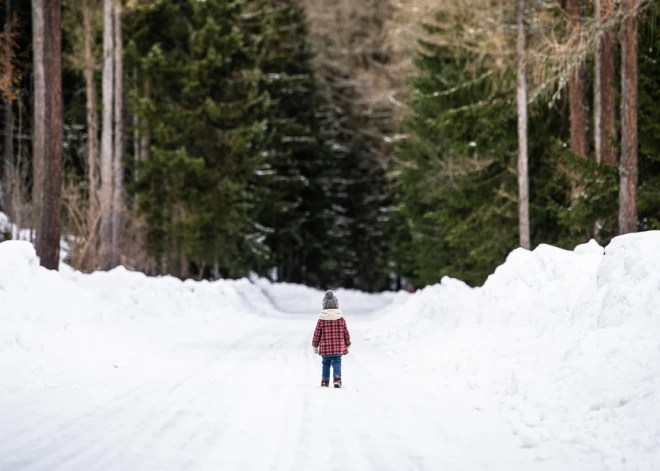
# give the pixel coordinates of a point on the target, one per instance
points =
(335, 361)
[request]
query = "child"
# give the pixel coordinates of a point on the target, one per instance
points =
(331, 339)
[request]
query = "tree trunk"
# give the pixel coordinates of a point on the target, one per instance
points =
(628, 189)
(39, 121)
(92, 131)
(118, 193)
(608, 87)
(598, 91)
(145, 140)
(8, 183)
(51, 216)
(523, 181)
(136, 122)
(576, 90)
(106, 138)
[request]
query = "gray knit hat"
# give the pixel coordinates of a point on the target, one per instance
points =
(330, 300)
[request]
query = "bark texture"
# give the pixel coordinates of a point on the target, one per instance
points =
(629, 142)
(523, 181)
(51, 216)
(106, 137)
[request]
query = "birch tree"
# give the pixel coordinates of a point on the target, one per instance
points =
(118, 157)
(107, 137)
(89, 66)
(521, 95)
(39, 119)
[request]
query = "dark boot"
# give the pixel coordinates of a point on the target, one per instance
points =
(325, 383)
(337, 382)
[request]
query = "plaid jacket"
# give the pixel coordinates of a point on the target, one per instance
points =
(331, 336)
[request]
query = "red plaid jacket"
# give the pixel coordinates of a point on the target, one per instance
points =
(331, 337)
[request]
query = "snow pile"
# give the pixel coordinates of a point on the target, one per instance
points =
(6, 226)
(16, 233)
(563, 345)
(55, 323)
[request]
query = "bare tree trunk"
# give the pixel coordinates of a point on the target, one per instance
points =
(51, 216)
(629, 74)
(19, 192)
(92, 130)
(598, 91)
(8, 189)
(576, 91)
(118, 193)
(106, 138)
(145, 140)
(608, 87)
(39, 121)
(523, 181)
(136, 122)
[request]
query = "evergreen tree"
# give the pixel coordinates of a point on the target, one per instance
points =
(361, 200)
(457, 183)
(206, 117)
(295, 145)
(315, 180)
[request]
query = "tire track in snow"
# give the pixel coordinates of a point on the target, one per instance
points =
(163, 416)
(79, 450)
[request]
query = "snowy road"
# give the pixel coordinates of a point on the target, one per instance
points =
(554, 364)
(252, 402)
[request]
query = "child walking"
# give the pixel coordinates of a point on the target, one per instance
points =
(331, 340)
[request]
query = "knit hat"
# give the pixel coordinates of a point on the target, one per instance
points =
(330, 300)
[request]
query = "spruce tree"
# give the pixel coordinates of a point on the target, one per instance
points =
(295, 146)
(457, 196)
(206, 118)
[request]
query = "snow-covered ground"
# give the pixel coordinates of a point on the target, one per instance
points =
(554, 364)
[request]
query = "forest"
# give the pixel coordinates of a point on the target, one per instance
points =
(363, 145)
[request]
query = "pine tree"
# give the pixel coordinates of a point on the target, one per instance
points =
(206, 121)
(294, 137)
(458, 192)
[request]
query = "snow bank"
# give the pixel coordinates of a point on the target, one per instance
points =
(58, 323)
(563, 345)
(17, 233)
(54, 324)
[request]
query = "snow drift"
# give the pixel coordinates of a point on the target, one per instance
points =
(563, 345)
(58, 323)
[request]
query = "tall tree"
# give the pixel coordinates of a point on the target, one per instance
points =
(629, 141)
(598, 87)
(294, 135)
(577, 89)
(118, 157)
(107, 137)
(89, 66)
(607, 56)
(207, 118)
(51, 217)
(9, 111)
(39, 120)
(521, 97)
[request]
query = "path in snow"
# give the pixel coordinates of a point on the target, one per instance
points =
(252, 402)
